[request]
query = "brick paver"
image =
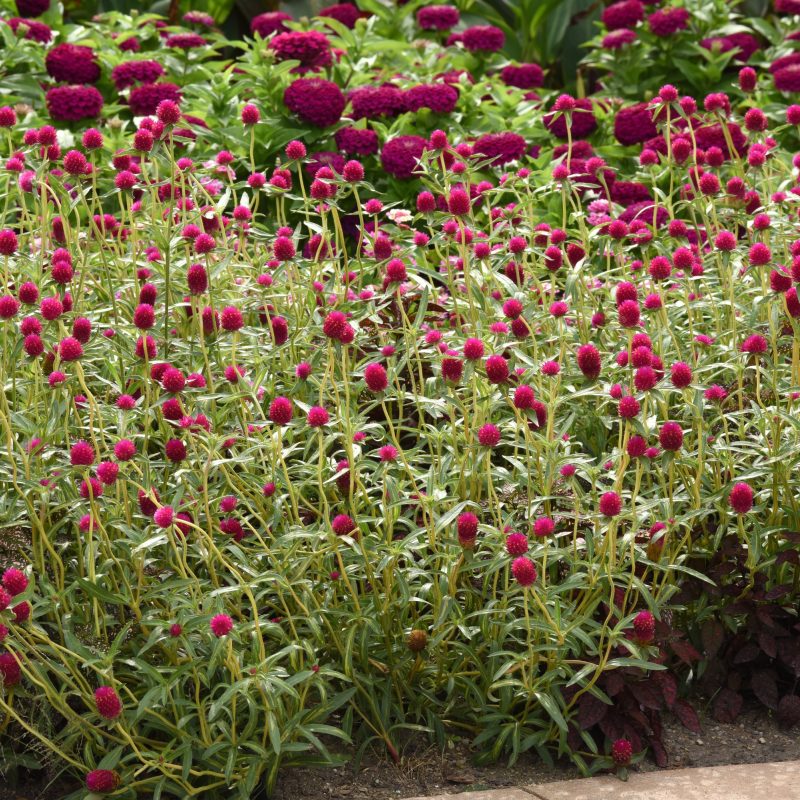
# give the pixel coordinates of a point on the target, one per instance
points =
(775, 781)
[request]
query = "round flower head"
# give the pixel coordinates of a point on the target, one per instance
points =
(467, 529)
(497, 369)
(644, 627)
(489, 435)
(221, 625)
(524, 571)
(610, 504)
(670, 436)
(589, 361)
(621, 752)
(107, 702)
(280, 411)
(343, 525)
(741, 498)
(375, 377)
(102, 781)
(317, 417)
(14, 582)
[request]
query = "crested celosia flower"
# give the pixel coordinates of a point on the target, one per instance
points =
(315, 100)
(73, 103)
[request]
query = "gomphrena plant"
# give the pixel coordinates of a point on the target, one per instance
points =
(327, 423)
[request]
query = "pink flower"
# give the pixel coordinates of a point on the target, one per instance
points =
(221, 625)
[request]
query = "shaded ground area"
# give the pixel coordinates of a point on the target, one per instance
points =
(755, 738)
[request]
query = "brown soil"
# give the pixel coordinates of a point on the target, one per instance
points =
(755, 738)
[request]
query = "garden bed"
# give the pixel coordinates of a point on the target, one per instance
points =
(361, 386)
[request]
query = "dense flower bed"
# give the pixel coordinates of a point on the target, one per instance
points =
(362, 387)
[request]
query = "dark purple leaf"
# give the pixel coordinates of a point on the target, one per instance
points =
(789, 654)
(765, 687)
(659, 752)
(614, 684)
(778, 591)
(750, 652)
(687, 716)
(712, 634)
(685, 651)
(789, 710)
(612, 725)
(727, 706)
(647, 694)
(669, 687)
(767, 643)
(590, 710)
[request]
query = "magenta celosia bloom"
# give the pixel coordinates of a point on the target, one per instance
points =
(143, 100)
(634, 124)
(311, 48)
(400, 156)
(32, 8)
(500, 148)
(438, 18)
(438, 97)
(666, 22)
(270, 22)
(73, 103)
(72, 63)
(623, 14)
(483, 38)
(36, 31)
(315, 100)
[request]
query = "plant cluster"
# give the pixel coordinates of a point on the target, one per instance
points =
(357, 386)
